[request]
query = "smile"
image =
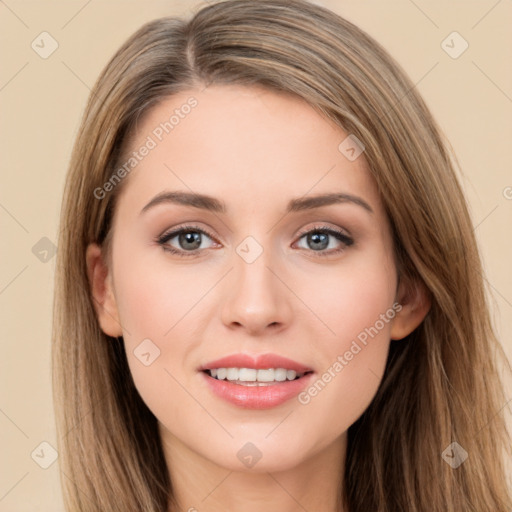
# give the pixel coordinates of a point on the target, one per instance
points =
(256, 381)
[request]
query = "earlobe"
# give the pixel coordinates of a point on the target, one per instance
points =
(102, 293)
(415, 301)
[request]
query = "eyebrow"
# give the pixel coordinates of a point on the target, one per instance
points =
(212, 204)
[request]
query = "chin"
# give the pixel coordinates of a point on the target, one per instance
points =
(257, 455)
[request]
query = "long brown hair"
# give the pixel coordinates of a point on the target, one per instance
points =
(441, 383)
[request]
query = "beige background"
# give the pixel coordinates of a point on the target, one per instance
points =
(41, 102)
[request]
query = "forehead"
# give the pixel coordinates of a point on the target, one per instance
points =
(250, 145)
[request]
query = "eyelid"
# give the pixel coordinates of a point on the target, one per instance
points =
(172, 232)
(324, 227)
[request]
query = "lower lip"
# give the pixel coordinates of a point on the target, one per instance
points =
(257, 397)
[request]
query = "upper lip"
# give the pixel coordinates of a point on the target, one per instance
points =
(258, 362)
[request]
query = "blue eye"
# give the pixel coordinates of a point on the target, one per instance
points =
(189, 240)
(318, 239)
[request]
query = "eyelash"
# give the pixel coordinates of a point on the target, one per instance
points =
(165, 237)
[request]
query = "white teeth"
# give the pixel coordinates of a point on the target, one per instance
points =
(266, 375)
(280, 374)
(232, 374)
(291, 374)
(248, 374)
(253, 375)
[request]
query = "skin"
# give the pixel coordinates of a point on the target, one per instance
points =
(254, 149)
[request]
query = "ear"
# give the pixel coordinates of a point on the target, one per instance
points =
(415, 300)
(102, 292)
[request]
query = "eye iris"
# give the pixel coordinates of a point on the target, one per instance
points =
(318, 238)
(190, 237)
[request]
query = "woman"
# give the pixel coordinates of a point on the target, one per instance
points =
(325, 343)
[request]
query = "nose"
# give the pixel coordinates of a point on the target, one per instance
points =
(257, 298)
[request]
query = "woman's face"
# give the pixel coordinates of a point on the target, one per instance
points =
(263, 270)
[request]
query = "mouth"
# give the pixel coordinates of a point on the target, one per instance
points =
(256, 382)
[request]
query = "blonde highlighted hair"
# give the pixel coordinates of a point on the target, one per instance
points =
(441, 383)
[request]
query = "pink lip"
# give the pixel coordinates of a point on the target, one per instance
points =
(260, 362)
(257, 397)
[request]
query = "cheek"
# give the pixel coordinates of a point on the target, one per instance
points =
(158, 304)
(350, 299)
(357, 306)
(152, 307)
(154, 296)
